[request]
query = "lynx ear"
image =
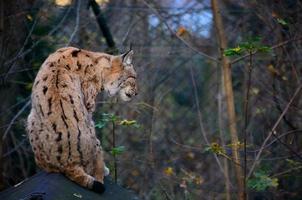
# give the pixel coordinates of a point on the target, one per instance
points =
(127, 57)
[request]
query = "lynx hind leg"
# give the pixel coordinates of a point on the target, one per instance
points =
(78, 175)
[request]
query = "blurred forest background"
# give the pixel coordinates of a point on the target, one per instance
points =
(218, 112)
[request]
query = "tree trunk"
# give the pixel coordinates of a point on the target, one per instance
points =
(104, 27)
(222, 137)
(227, 80)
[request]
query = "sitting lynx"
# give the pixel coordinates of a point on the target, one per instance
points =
(60, 125)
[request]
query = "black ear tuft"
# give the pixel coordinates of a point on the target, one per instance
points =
(98, 187)
(127, 57)
(130, 46)
(125, 54)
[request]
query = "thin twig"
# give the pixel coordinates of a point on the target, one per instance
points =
(282, 135)
(23, 46)
(273, 130)
(15, 148)
(202, 129)
(286, 171)
(14, 118)
(40, 40)
(184, 145)
(76, 28)
(246, 119)
(114, 154)
(13, 106)
(288, 147)
(180, 38)
(168, 197)
(128, 31)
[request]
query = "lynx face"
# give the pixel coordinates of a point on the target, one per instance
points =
(122, 77)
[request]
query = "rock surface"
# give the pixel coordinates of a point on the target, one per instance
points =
(54, 186)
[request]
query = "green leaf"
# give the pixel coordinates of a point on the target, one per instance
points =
(293, 163)
(118, 150)
(100, 124)
(261, 181)
(233, 51)
(106, 118)
(254, 39)
(207, 149)
(109, 117)
(282, 22)
(251, 44)
(264, 49)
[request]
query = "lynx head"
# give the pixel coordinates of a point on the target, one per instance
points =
(121, 77)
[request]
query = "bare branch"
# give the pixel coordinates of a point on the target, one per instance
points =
(201, 125)
(273, 131)
(287, 171)
(22, 48)
(14, 118)
(180, 38)
(55, 29)
(76, 28)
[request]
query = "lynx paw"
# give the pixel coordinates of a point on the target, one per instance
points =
(106, 171)
(98, 187)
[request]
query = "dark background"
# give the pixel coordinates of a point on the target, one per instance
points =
(180, 145)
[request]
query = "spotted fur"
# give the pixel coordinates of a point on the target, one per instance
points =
(60, 125)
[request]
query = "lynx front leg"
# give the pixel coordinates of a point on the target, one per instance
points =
(100, 169)
(78, 175)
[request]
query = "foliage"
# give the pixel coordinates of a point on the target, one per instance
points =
(112, 118)
(282, 22)
(115, 151)
(261, 181)
(251, 45)
(215, 148)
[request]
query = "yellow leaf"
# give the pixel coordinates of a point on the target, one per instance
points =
(273, 70)
(284, 78)
(127, 122)
(62, 2)
(190, 155)
(237, 49)
(135, 172)
(259, 111)
(102, 2)
(198, 180)
(29, 17)
(216, 148)
(255, 91)
(169, 171)
(181, 31)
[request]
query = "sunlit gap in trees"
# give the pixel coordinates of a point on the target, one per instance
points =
(197, 19)
(68, 2)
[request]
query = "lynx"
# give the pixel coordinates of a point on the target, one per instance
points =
(60, 126)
